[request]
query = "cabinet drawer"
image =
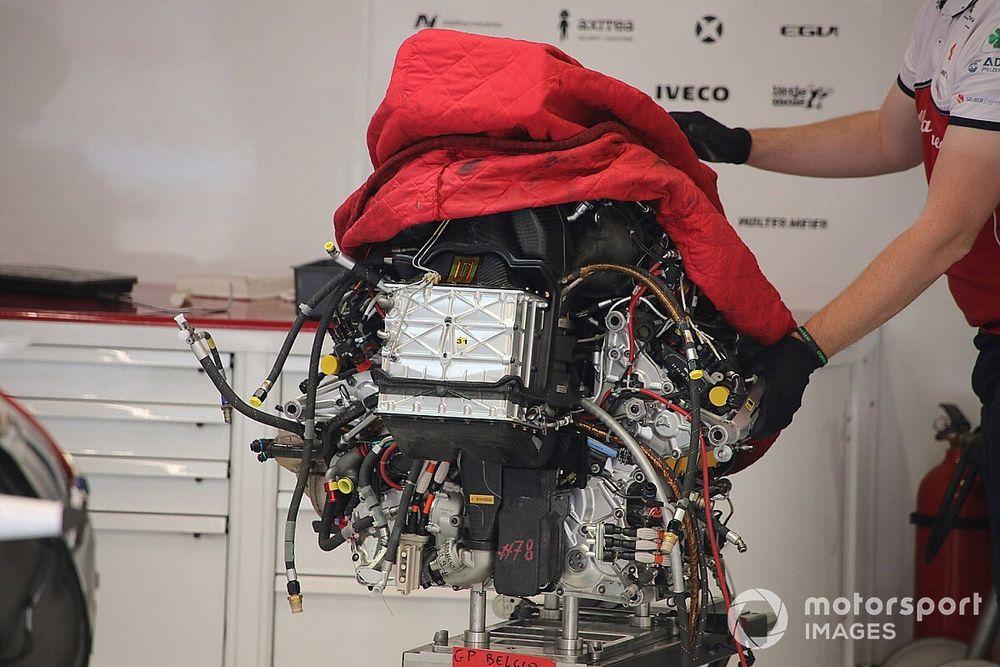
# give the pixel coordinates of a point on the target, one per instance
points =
(309, 558)
(122, 429)
(162, 598)
(156, 485)
(144, 376)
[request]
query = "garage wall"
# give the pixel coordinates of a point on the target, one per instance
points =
(164, 138)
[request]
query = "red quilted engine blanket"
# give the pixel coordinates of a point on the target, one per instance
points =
(472, 125)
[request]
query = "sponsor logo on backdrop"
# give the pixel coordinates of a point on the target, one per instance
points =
(782, 222)
(425, 21)
(591, 29)
(431, 21)
(988, 64)
(803, 97)
(792, 30)
(691, 92)
(708, 29)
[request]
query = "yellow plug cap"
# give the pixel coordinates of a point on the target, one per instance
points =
(345, 485)
(295, 603)
(696, 374)
(718, 395)
(328, 246)
(255, 402)
(329, 364)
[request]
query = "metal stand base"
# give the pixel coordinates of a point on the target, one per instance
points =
(608, 637)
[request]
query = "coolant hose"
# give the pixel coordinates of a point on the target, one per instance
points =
(215, 375)
(308, 444)
(305, 310)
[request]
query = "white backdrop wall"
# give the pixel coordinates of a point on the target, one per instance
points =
(164, 138)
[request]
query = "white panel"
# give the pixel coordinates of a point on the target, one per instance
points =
(793, 522)
(158, 523)
(166, 138)
(399, 622)
(168, 487)
(122, 429)
(161, 601)
(108, 382)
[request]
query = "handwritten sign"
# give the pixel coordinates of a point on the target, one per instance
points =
(474, 657)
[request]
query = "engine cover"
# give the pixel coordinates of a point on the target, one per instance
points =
(465, 357)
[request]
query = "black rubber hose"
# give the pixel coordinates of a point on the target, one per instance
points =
(330, 513)
(243, 408)
(694, 455)
(368, 466)
(308, 443)
(331, 430)
(300, 320)
(404, 505)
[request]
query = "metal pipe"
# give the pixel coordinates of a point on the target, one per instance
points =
(477, 636)
(641, 617)
(635, 450)
(550, 608)
(569, 641)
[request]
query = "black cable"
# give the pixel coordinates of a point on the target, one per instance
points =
(331, 511)
(404, 505)
(308, 443)
(253, 413)
(293, 332)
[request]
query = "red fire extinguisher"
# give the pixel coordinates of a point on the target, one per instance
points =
(953, 539)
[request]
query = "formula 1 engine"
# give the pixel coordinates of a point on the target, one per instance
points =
(538, 402)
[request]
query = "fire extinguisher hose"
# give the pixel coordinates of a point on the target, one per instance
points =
(959, 487)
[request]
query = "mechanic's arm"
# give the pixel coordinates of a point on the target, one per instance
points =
(865, 144)
(963, 193)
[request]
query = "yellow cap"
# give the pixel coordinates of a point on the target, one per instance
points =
(329, 364)
(328, 246)
(255, 402)
(295, 603)
(345, 485)
(696, 374)
(718, 395)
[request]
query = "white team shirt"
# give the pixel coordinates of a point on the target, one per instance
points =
(955, 51)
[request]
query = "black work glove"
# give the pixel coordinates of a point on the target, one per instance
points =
(712, 140)
(785, 368)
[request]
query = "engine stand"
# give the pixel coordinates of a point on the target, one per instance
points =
(598, 637)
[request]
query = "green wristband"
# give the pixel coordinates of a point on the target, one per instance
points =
(813, 345)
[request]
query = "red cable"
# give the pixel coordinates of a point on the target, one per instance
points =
(662, 399)
(719, 569)
(383, 466)
(631, 315)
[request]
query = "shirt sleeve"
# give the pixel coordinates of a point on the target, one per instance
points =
(976, 90)
(910, 73)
